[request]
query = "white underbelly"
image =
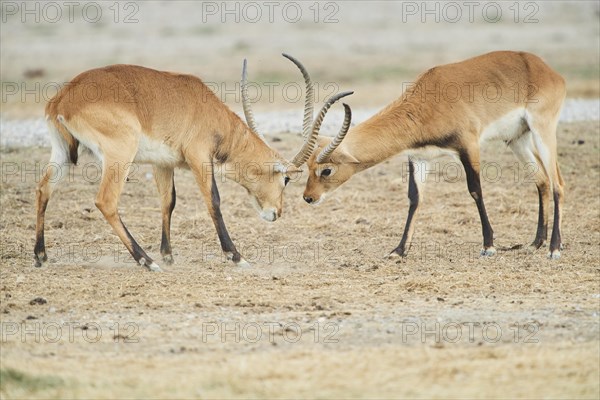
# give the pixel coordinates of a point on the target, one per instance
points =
(429, 153)
(151, 151)
(507, 128)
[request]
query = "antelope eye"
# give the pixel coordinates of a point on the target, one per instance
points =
(286, 180)
(326, 172)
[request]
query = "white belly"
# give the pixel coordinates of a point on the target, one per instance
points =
(429, 153)
(508, 127)
(152, 151)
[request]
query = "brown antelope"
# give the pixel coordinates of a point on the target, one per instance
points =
(169, 120)
(512, 96)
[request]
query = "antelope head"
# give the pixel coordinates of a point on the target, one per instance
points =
(329, 164)
(269, 179)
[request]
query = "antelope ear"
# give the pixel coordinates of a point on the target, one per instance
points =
(340, 156)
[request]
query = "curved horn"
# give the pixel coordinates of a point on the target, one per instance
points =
(311, 140)
(310, 98)
(246, 103)
(340, 136)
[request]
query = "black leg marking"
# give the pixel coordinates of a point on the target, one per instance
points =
(413, 196)
(165, 242)
(542, 227)
(40, 250)
(226, 242)
(555, 241)
(40, 247)
(474, 185)
(173, 198)
(136, 251)
(165, 245)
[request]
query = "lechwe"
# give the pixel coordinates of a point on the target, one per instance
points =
(512, 96)
(125, 114)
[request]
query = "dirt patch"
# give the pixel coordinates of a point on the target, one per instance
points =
(320, 313)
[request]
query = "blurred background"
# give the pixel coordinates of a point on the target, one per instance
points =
(372, 47)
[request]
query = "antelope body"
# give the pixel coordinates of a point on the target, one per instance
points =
(126, 113)
(430, 119)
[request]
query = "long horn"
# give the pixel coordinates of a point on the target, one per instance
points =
(340, 136)
(311, 140)
(246, 103)
(310, 97)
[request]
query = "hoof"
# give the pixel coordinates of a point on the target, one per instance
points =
(168, 259)
(237, 259)
(394, 255)
(154, 267)
(554, 254)
(39, 260)
(151, 265)
(536, 244)
(243, 264)
(489, 252)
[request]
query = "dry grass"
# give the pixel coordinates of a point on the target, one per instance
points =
(314, 267)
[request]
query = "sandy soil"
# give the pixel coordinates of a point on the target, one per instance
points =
(336, 320)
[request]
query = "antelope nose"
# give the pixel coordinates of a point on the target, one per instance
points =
(308, 199)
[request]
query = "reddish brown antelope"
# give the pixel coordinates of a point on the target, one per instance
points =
(169, 120)
(451, 109)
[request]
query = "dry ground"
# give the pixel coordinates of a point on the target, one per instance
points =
(529, 326)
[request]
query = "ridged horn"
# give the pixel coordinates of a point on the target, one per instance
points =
(339, 137)
(310, 142)
(309, 102)
(246, 103)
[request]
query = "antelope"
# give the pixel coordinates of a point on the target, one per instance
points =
(430, 120)
(168, 120)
